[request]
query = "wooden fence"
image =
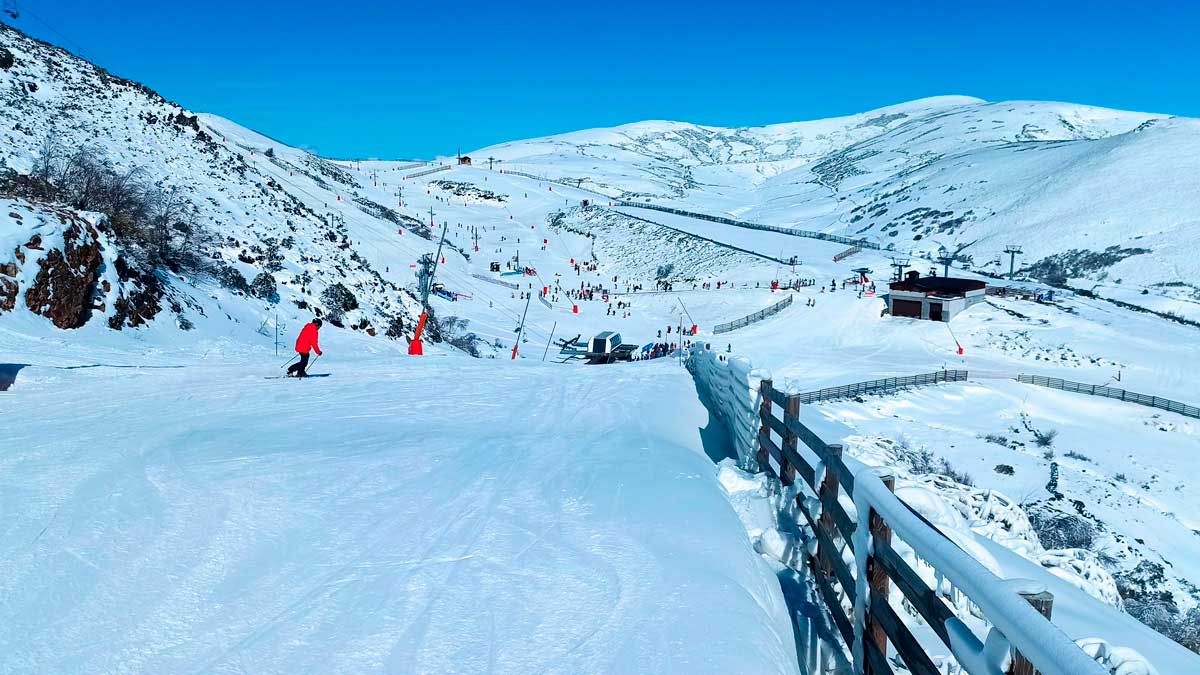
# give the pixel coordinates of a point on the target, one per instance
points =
(847, 253)
(752, 318)
(1111, 392)
(444, 167)
(754, 226)
(884, 386)
(826, 477)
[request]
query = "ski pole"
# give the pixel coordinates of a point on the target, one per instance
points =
(289, 361)
(314, 361)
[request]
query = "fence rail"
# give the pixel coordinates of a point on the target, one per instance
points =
(444, 167)
(875, 625)
(752, 318)
(864, 243)
(884, 386)
(495, 281)
(1111, 392)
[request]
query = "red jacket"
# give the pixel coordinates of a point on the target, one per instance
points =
(308, 340)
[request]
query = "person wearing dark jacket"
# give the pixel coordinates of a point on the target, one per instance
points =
(307, 342)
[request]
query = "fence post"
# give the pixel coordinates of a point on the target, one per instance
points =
(881, 534)
(1043, 602)
(764, 418)
(791, 413)
(828, 492)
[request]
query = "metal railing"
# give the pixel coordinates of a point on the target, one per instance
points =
(752, 318)
(1159, 402)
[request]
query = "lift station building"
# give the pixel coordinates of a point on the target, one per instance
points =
(934, 298)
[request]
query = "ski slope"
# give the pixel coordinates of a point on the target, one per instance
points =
(386, 519)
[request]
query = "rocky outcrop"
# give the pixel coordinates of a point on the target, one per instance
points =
(139, 300)
(66, 279)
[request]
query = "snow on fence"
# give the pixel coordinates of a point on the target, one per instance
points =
(785, 448)
(884, 386)
(577, 186)
(847, 253)
(495, 281)
(1110, 392)
(790, 261)
(752, 318)
(414, 165)
(863, 243)
(444, 167)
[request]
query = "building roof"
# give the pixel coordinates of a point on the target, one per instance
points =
(939, 285)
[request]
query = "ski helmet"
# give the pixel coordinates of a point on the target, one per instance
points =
(317, 323)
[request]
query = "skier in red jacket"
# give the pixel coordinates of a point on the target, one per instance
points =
(304, 344)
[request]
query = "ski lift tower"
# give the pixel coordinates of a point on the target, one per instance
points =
(10, 8)
(1013, 251)
(945, 257)
(898, 266)
(426, 269)
(862, 273)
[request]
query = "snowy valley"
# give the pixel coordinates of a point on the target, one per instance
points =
(170, 504)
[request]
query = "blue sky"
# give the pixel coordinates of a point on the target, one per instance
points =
(402, 79)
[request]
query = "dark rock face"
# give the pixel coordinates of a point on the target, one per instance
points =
(140, 298)
(66, 280)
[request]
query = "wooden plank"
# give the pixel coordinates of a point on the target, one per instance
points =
(791, 413)
(1043, 602)
(905, 642)
(767, 448)
(834, 608)
(806, 471)
(877, 576)
(876, 661)
(831, 559)
(926, 601)
(840, 518)
(827, 492)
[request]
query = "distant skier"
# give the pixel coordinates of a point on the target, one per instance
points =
(304, 344)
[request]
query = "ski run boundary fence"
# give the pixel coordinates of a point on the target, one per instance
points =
(850, 241)
(752, 318)
(851, 511)
(721, 244)
(444, 167)
(498, 282)
(886, 385)
(1110, 392)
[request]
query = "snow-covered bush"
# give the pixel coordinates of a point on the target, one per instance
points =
(264, 288)
(339, 299)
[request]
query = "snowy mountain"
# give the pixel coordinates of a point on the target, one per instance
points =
(1101, 196)
(229, 208)
(176, 510)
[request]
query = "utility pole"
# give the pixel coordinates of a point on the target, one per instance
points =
(276, 333)
(1013, 251)
(521, 328)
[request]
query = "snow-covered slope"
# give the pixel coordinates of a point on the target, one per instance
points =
(1058, 179)
(358, 524)
(54, 104)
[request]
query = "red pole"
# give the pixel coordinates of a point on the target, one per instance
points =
(414, 347)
